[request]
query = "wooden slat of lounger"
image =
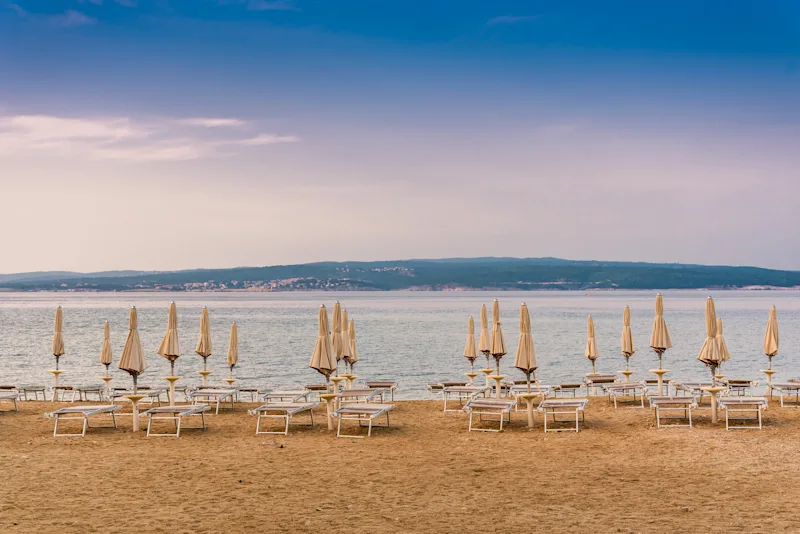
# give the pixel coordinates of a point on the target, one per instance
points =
(90, 410)
(564, 403)
(497, 405)
(182, 410)
(288, 407)
(743, 400)
(366, 409)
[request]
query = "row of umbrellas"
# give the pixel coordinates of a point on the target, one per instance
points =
(713, 353)
(133, 359)
(334, 345)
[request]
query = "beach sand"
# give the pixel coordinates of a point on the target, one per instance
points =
(426, 474)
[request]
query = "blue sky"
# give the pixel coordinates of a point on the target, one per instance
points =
(281, 131)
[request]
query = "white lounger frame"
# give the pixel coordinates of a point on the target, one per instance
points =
(391, 385)
(13, 397)
(74, 413)
(176, 414)
(361, 413)
(462, 393)
(679, 403)
(620, 390)
(556, 407)
(285, 411)
(522, 389)
(495, 407)
(786, 389)
(284, 396)
(363, 396)
(213, 397)
(742, 405)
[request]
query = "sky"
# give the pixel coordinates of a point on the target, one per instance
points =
(174, 134)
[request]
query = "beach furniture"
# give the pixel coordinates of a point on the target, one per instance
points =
(216, 397)
(437, 387)
(568, 389)
(593, 381)
(282, 410)
(665, 405)
(253, 392)
(84, 413)
(391, 385)
(61, 393)
(318, 388)
(84, 392)
(618, 392)
(10, 396)
(737, 408)
(175, 414)
(361, 395)
(362, 413)
(500, 408)
(34, 391)
(556, 407)
(462, 393)
(285, 396)
(741, 387)
(150, 395)
(517, 389)
(693, 389)
(786, 390)
(652, 385)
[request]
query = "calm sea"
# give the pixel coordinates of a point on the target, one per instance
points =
(414, 337)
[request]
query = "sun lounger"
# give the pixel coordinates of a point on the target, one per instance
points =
(33, 390)
(598, 380)
(462, 393)
(785, 391)
(391, 385)
(573, 388)
(253, 392)
(741, 387)
(517, 389)
(742, 405)
(618, 391)
(361, 412)
(361, 395)
(285, 396)
(666, 404)
(73, 413)
(12, 397)
(693, 389)
(60, 393)
(150, 396)
(492, 407)
(319, 388)
(215, 397)
(282, 410)
(176, 415)
(557, 407)
(85, 391)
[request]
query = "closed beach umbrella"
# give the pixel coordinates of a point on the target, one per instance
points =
(526, 356)
(106, 357)
(351, 330)
(771, 343)
(133, 360)
(345, 338)
(336, 334)
(627, 334)
(498, 346)
(591, 344)
(233, 348)
(204, 344)
(170, 346)
(724, 353)
(484, 342)
(322, 359)
(709, 352)
(470, 350)
(659, 340)
(58, 335)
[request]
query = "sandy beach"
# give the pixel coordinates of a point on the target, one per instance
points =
(426, 474)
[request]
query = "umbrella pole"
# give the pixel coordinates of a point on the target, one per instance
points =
(107, 368)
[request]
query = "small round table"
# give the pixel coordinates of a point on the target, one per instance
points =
(56, 373)
(204, 374)
(172, 380)
(528, 398)
(328, 398)
(627, 374)
(487, 372)
(497, 379)
(660, 373)
(713, 391)
(471, 377)
(135, 402)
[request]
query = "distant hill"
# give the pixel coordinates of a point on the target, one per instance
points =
(419, 274)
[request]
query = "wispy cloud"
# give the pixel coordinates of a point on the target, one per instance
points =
(125, 139)
(71, 19)
(509, 19)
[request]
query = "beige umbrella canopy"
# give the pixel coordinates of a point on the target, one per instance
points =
(58, 335)
(771, 343)
(591, 344)
(204, 343)
(709, 352)
(484, 343)
(526, 356)
(132, 360)
(233, 348)
(322, 359)
(470, 350)
(351, 331)
(345, 338)
(106, 357)
(498, 346)
(659, 340)
(724, 353)
(336, 334)
(170, 346)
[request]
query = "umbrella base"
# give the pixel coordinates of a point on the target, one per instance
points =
(56, 373)
(660, 373)
(497, 379)
(528, 398)
(487, 372)
(348, 384)
(135, 402)
(471, 377)
(205, 374)
(172, 380)
(328, 398)
(336, 380)
(627, 374)
(713, 391)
